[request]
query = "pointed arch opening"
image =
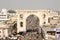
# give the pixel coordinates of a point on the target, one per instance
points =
(32, 22)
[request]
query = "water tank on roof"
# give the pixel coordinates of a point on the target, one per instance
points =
(4, 11)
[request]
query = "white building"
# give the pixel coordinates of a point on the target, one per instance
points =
(4, 15)
(3, 25)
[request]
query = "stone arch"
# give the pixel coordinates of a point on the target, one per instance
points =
(32, 25)
(32, 22)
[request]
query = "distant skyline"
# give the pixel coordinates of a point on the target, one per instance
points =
(30, 4)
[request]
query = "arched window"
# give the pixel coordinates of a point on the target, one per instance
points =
(21, 24)
(48, 20)
(21, 15)
(44, 15)
(44, 22)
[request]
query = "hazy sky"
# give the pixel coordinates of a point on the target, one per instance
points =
(30, 4)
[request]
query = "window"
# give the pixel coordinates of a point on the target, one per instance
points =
(44, 15)
(21, 24)
(51, 32)
(48, 20)
(44, 22)
(52, 18)
(0, 31)
(21, 15)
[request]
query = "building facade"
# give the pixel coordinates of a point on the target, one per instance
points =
(46, 17)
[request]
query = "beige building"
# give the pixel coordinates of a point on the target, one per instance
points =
(3, 31)
(46, 17)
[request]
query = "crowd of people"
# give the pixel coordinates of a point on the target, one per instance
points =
(30, 36)
(27, 36)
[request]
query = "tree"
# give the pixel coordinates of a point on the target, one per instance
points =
(11, 11)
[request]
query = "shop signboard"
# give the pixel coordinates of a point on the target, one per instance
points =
(57, 35)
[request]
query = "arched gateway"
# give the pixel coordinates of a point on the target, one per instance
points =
(32, 22)
(37, 19)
